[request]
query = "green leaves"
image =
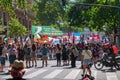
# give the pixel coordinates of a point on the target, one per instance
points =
(15, 28)
(96, 17)
(8, 5)
(49, 11)
(1, 28)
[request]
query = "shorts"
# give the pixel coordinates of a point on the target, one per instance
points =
(33, 55)
(2, 60)
(86, 61)
(44, 57)
(12, 58)
(28, 57)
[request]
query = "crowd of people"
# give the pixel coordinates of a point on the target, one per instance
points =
(62, 53)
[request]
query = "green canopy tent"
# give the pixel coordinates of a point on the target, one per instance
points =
(46, 30)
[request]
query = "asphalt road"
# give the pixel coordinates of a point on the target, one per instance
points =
(52, 72)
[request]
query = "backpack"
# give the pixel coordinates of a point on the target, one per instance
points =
(75, 52)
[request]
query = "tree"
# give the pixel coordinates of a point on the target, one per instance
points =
(1, 27)
(49, 12)
(95, 17)
(10, 5)
(15, 28)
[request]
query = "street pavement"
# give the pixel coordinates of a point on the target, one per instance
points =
(52, 72)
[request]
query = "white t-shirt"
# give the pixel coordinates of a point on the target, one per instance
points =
(87, 54)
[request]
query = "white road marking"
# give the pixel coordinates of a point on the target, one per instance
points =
(111, 76)
(94, 73)
(53, 74)
(9, 76)
(73, 74)
(40, 71)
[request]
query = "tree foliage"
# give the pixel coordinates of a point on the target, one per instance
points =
(8, 5)
(95, 17)
(15, 28)
(49, 12)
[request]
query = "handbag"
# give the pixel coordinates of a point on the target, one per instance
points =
(90, 65)
(89, 55)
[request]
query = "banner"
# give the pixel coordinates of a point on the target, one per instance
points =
(46, 30)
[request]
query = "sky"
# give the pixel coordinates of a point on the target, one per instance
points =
(72, 0)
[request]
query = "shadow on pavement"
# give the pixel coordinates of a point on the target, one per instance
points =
(5, 73)
(17, 79)
(109, 70)
(40, 67)
(56, 66)
(68, 67)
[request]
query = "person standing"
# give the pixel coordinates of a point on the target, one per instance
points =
(58, 54)
(20, 52)
(44, 50)
(86, 58)
(73, 55)
(3, 50)
(12, 54)
(34, 55)
(64, 55)
(27, 51)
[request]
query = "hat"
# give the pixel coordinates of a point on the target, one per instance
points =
(18, 69)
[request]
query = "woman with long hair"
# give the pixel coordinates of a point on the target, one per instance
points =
(27, 51)
(86, 58)
(58, 54)
(34, 55)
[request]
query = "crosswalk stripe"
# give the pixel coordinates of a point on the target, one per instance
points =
(9, 76)
(94, 73)
(73, 74)
(53, 74)
(35, 73)
(111, 76)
